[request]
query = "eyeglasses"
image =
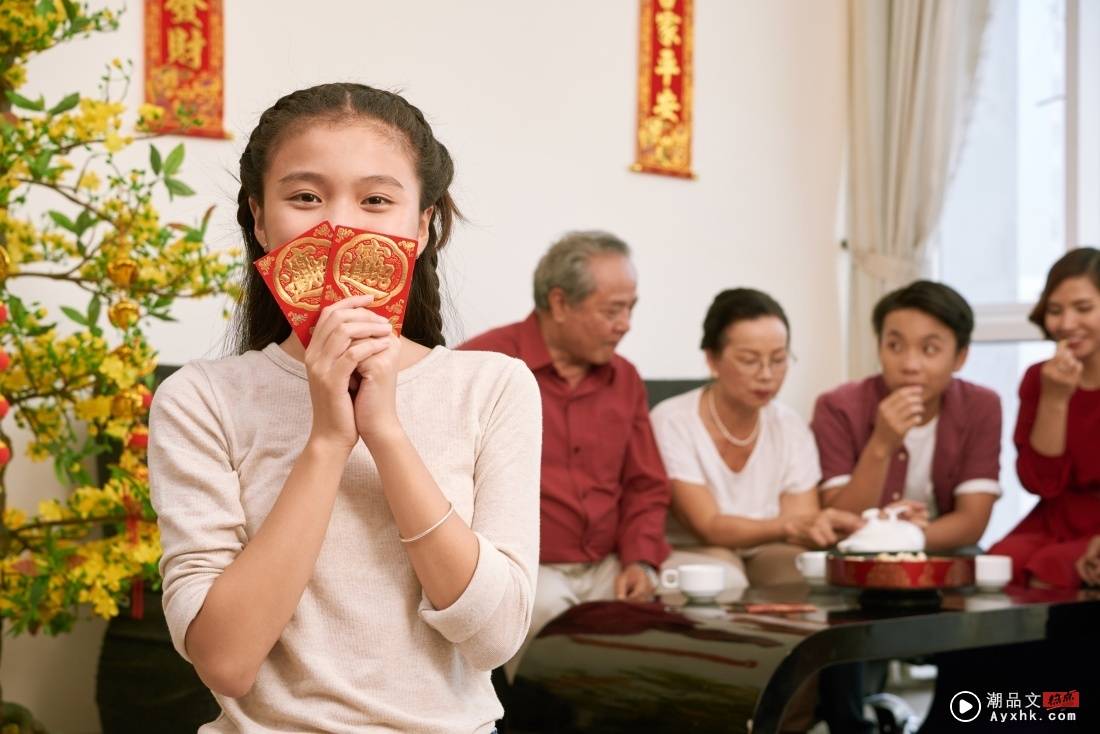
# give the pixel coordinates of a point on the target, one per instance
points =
(754, 364)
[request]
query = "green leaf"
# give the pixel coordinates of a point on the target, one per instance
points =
(75, 315)
(162, 316)
(94, 308)
(70, 10)
(177, 187)
(174, 160)
(18, 100)
(66, 104)
(161, 302)
(154, 159)
(83, 221)
(41, 163)
(44, 8)
(18, 312)
(62, 221)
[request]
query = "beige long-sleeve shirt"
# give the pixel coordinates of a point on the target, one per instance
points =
(365, 650)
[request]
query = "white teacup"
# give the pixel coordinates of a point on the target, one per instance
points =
(696, 581)
(811, 565)
(992, 572)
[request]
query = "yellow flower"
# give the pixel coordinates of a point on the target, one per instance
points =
(37, 452)
(96, 408)
(88, 181)
(51, 511)
(102, 603)
(14, 518)
(150, 113)
(15, 76)
(114, 142)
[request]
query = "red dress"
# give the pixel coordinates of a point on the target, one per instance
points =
(1047, 543)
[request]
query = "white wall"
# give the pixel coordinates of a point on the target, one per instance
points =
(536, 102)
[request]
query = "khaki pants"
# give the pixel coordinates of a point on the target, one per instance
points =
(561, 586)
(764, 565)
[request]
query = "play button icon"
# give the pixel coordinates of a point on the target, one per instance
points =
(965, 706)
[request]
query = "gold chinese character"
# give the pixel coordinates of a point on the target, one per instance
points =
(667, 106)
(667, 4)
(369, 267)
(668, 28)
(667, 66)
(185, 11)
(306, 274)
(185, 48)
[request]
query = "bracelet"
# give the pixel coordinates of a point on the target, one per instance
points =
(442, 520)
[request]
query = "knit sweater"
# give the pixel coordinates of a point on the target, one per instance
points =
(365, 650)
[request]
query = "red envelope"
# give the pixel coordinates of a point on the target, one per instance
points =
(295, 275)
(369, 263)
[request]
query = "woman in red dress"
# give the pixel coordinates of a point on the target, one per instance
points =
(1058, 432)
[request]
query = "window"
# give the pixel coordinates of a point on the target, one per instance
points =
(1024, 190)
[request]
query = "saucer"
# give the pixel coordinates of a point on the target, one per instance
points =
(991, 585)
(700, 599)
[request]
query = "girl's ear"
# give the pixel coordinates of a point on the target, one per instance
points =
(424, 229)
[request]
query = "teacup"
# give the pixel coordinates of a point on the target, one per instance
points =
(700, 582)
(992, 572)
(811, 565)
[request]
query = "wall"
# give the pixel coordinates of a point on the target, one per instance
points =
(536, 102)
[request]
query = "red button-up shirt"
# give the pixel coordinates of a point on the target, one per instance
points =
(604, 488)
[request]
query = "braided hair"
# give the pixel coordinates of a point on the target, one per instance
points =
(258, 321)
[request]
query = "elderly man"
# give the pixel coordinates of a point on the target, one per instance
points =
(604, 490)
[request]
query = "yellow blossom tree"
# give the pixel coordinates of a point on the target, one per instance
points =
(80, 381)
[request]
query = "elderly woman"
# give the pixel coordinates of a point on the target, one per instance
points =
(743, 468)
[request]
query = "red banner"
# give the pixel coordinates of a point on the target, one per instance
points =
(185, 65)
(663, 139)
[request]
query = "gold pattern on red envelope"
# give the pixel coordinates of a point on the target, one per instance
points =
(295, 275)
(369, 263)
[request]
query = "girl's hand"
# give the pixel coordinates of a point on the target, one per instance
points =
(1088, 565)
(344, 336)
(1061, 374)
(376, 395)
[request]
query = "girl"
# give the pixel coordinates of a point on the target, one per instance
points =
(744, 467)
(1058, 430)
(334, 560)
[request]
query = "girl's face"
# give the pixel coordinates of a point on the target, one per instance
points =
(358, 174)
(753, 362)
(917, 349)
(1073, 314)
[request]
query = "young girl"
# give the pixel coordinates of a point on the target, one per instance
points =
(1058, 431)
(336, 560)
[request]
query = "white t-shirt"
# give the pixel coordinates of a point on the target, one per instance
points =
(784, 459)
(920, 450)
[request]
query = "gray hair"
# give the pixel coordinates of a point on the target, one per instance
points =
(565, 265)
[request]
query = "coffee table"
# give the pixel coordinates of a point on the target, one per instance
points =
(668, 666)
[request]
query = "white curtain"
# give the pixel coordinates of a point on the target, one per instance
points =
(912, 70)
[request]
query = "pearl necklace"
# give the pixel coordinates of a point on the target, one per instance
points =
(742, 442)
